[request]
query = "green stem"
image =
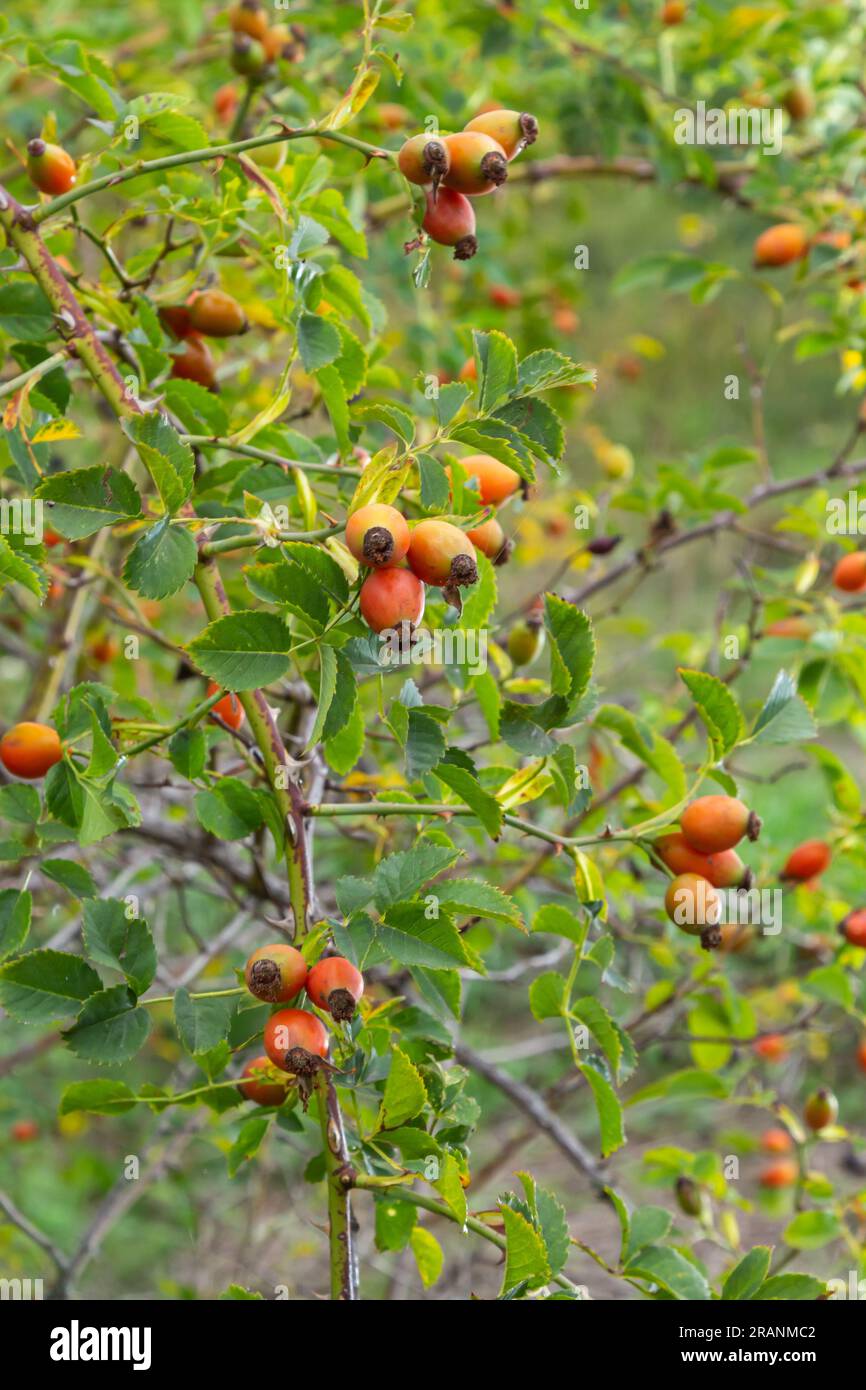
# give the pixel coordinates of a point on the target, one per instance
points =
(46, 365)
(341, 1178)
(198, 994)
(188, 720)
(207, 441)
(276, 760)
(442, 808)
(143, 167)
(256, 538)
(471, 1223)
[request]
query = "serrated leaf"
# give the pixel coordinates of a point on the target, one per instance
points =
(243, 651)
(110, 1027)
(161, 561)
(45, 986)
(405, 1093)
(83, 500)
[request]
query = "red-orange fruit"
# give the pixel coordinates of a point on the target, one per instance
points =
(491, 540)
(225, 102)
(28, 750)
(24, 1131)
(512, 130)
(377, 535)
(293, 1038)
(50, 167)
(771, 1048)
(249, 17)
(424, 159)
(450, 221)
(440, 554)
(776, 1141)
(195, 363)
(715, 823)
(693, 904)
(391, 597)
(853, 927)
(335, 985)
(789, 627)
(724, 870)
(276, 973)
(808, 860)
(494, 481)
(229, 709)
(477, 163)
(780, 245)
(216, 314)
(861, 1055)
(821, 1109)
(783, 1173)
(258, 1087)
(850, 573)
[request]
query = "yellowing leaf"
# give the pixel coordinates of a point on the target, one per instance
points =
(56, 430)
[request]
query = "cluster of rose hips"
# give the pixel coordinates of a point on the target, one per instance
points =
(296, 1041)
(820, 1111)
(206, 314)
(454, 168)
(257, 45)
(403, 560)
(702, 857)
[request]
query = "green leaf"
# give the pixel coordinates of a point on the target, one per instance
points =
(428, 1255)
(647, 1225)
(451, 1189)
(243, 651)
(45, 986)
(25, 312)
(327, 687)
(318, 342)
(110, 1028)
(785, 717)
(497, 360)
(791, 1288)
(395, 1221)
(472, 794)
(405, 1094)
(248, 1142)
(717, 708)
(101, 1097)
(547, 995)
(689, 1085)
(202, 1023)
(231, 811)
(161, 561)
(559, 921)
(119, 942)
(73, 877)
(525, 1254)
(15, 910)
(608, 1107)
(748, 1274)
(83, 500)
(400, 876)
(596, 1018)
(475, 898)
(572, 647)
(187, 750)
(20, 804)
(169, 461)
(809, 1230)
(671, 1270)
